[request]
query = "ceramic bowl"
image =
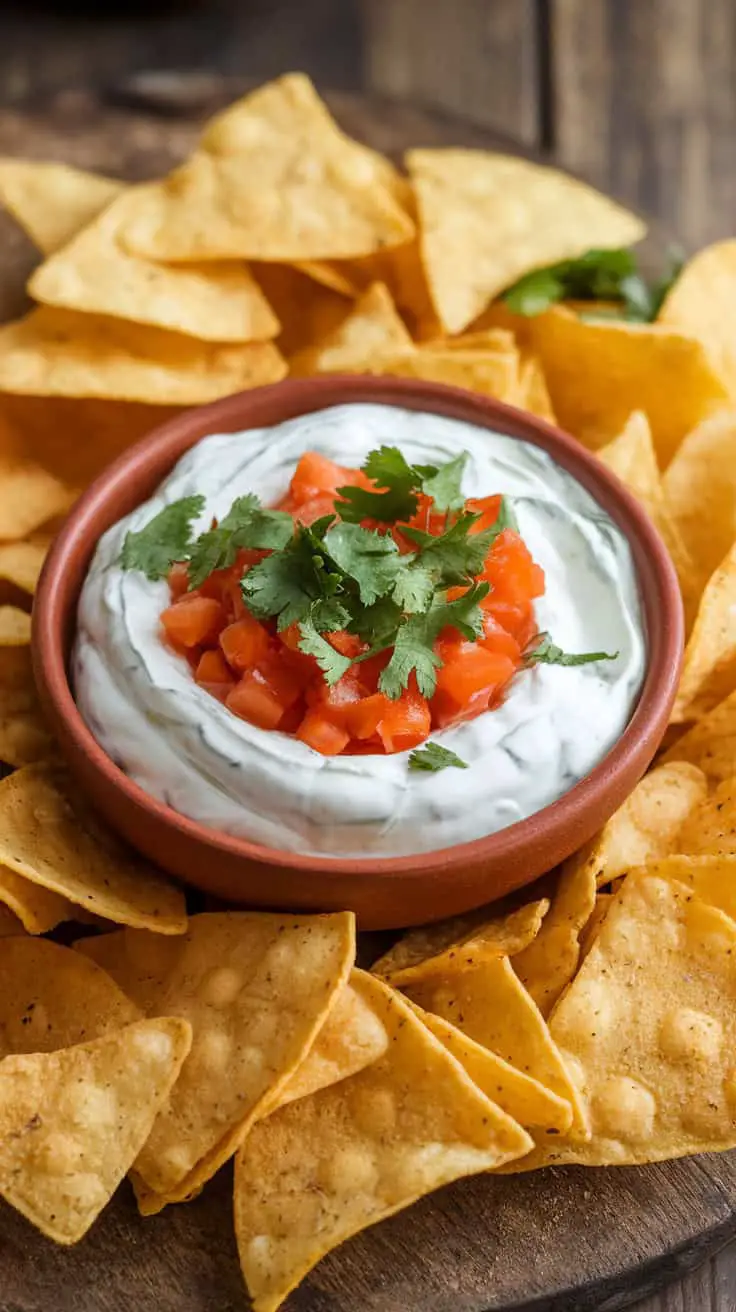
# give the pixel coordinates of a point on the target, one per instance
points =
(385, 892)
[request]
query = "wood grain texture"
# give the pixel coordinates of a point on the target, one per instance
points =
(644, 104)
(474, 57)
(559, 1241)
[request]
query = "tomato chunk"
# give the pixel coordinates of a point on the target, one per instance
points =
(511, 571)
(253, 699)
(214, 674)
(178, 579)
(193, 620)
(405, 724)
(316, 476)
(320, 733)
(466, 683)
(244, 643)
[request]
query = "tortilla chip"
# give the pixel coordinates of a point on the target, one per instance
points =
(21, 562)
(29, 496)
(711, 878)
(517, 1094)
(52, 202)
(330, 274)
(328, 1166)
(533, 390)
(591, 931)
(15, 627)
(700, 487)
(273, 179)
(548, 964)
(52, 998)
(257, 990)
(633, 459)
(487, 219)
(373, 328)
(648, 1027)
(701, 302)
(646, 827)
(429, 949)
(219, 302)
(486, 339)
(308, 312)
(24, 736)
(48, 836)
(710, 829)
(488, 1002)
(709, 670)
(487, 372)
(599, 372)
(710, 744)
(71, 1122)
(54, 352)
(351, 1038)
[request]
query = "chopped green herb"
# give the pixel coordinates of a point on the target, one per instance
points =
(432, 756)
(548, 653)
(414, 641)
(444, 484)
(246, 524)
(370, 559)
(596, 276)
(332, 664)
(164, 540)
(457, 554)
(389, 470)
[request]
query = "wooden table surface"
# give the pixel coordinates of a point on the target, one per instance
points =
(41, 51)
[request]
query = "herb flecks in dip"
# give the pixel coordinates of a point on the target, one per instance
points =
(310, 654)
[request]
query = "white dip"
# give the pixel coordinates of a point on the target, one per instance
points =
(182, 746)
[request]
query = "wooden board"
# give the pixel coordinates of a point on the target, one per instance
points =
(565, 1240)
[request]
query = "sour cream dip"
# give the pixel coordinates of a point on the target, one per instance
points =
(188, 750)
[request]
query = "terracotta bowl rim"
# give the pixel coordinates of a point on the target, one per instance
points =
(659, 596)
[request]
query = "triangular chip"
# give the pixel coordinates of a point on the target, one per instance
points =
(308, 312)
(52, 998)
(351, 1038)
(273, 179)
(30, 497)
(72, 1122)
(15, 627)
(598, 372)
(710, 829)
(24, 736)
(700, 486)
(709, 671)
(491, 373)
(219, 302)
(328, 1166)
(589, 935)
(257, 990)
(711, 743)
(427, 950)
(711, 878)
(533, 390)
(55, 352)
(487, 219)
(373, 328)
(533, 1106)
(10, 925)
(49, 836)
(701, 302)
(648, 825)
(548, 964)
(488, 1002)
(52, 202)
(21, 562)
(648, 1027)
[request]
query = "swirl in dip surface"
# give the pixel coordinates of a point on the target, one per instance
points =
(556, 723)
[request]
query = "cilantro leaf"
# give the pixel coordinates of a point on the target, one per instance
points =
(370, 559)
(456, 554)
(332, 663)
(389, 470)
(596, 276)
(444, 484)
(287, 583)
(246, 524)
(535, 292)
(413, 647)
(415, 585)
(376, 624)
(548, 653)
(165, 539)
(435, 757)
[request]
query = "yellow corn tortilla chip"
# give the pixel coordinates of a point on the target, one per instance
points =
(326, 1167)
(700, 487)
(71, 1122)
(488, 1002)
(373, 328)
(24, 736)
(701, 302)
(599, 372)
(427, 950)
(330, 274)
(10, 925)
(52, 998)
(55, 352)
(273, 179)
(648, 825)
(648, 1028)
(307, 311)
(29, 496)
(486, 339)
(351, 1038)
(711, 878)
(15, 627)
(633, 459)
(491, 373)
(590, 933)
(549, 962)
(49, 836)
(710, 828)
(21, 562)
(219, 302)
(533, 390)
(38, 909)
(52, 202)
(256, 989)
(709, 670)
(710, 744)
(487, 219)
(533, 1106)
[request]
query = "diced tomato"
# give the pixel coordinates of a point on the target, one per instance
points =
(292, 718)
(215, 584)
(467, 681)
(372, 669)
(495, 638)
(348, 644)
(406, 723)
(214, 674)
(244, 643)
(364, 718)
(255, 700)
(510, 570)
(319, 732)
(337, 703)
(316, 508)
(487, 508)
(232, 599)
(193, 620)
(288, 675)
(317, 476)
(178, 579)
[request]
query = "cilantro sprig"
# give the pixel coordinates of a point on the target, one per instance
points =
(546, 652)
(598, 275)
(433, 757)
(165, 539)
(400, 485)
